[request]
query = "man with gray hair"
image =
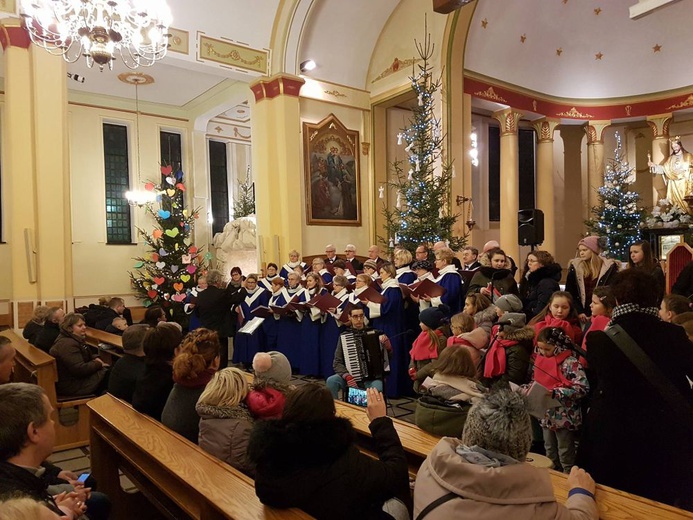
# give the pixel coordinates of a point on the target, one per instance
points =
(330, 254)
(129, 368)
(352, 263)
(484, 474)
(51, 329)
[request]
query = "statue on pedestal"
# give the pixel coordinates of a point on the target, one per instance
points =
(677, 173)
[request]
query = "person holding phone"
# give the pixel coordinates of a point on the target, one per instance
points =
(308, 459)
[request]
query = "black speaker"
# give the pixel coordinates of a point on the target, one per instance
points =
(530, 227)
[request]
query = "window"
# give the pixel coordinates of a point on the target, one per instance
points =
(171, 155)
(494, 173)
(116, 165)
(218, 180)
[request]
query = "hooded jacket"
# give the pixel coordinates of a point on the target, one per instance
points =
(517, 491)
(225, 432)
(516, 356)
(317, 467)
(475, 342)
(537, 288)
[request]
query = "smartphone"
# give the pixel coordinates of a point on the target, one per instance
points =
(357, 396)
(83, 477)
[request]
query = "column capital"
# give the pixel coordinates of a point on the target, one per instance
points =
(545, 128)
(12, 34)
(508, 120)
(660, 125)
(595, 131)
(277, 85)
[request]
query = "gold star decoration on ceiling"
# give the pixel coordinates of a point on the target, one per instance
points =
(598, 56)
(657, 48)
(523, 38)
(559, 51)
(597, 11)
(484, 23)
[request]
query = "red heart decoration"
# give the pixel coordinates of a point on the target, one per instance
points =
(159, 280)
(192, 250)
(180, 186)
(166, 170)
(149, 186)
(157, 233)
(155, 257)
(152, 294)
(196, 215)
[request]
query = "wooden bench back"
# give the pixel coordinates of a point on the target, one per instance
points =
(176, 475)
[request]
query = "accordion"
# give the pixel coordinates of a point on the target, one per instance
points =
(364, 358)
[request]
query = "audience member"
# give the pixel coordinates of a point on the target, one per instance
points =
(308, 460)
(673, 305)
(353, 264)
(428, 346)
(628, 411)
(225, 422)
(116, 306)
(25, 509)
(271, 383)
(539, 281)
(152, 390)
(79, 371)
(507, 358)
(196, 361)
(7, 362)
(471, 338)
(494, 280)
(641, 257)
(34, 326)
(482, 310)
(130, 368)
(470, 258)
(153, 315)
(117, 326)
(483, 475)
(51, 329)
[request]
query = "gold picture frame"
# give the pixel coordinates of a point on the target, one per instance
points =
(332, 173)
(667, 243)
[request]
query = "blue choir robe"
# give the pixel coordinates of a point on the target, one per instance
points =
(389, 318)
(411, 309)
(247, 345)
(189, 308)
(311, 332)
(288, 329)
(266, 282)
(330, 335)
(405, 275)
(289, 268)
(326, 276)
(450, 279)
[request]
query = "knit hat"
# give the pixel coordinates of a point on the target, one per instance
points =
(267, 403)
(499, 422)
(512, 321)
(592, 243)
(371, 263)
(272, 365)
(422, 264)
(434, 317)
(509, 303)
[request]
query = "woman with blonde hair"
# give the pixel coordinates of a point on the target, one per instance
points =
(587, 271)
(402, 261)
(225, 422)
(196, 362)
(294, 262)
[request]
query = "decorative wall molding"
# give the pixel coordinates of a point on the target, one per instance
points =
(232, 54)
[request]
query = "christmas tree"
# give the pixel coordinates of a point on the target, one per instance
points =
(618, 217)
(421, 214)
(168, 271)
(244, 205)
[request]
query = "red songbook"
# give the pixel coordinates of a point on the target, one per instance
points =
(325, 302)
(407, 290)
(429, 288)
(261, 312)
(344, 317)
(283, 310)
(371, 295)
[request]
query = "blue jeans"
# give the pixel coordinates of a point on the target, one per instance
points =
(336, 383)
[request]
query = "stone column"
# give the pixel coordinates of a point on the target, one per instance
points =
(509, 181)
(277, 166)
(661, 149)
(595, 159)
(37, 199)
(545, 187)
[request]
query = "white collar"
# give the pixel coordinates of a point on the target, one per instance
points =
(390, 282)
(402, 270)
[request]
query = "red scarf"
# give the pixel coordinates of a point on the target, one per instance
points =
(495, 357)
(571, 329)
(548, 373)
(423, 348)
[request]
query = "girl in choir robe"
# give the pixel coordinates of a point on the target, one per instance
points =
(266, 282)
(247, 345)
(294, 261)
(340, 269)
(388, 317)
(333, 327)
(311, 327)
(288, 327)
(404, 273)
(319, 267)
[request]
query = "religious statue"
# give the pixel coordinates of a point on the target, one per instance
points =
(677, 173)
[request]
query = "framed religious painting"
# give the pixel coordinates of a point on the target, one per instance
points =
(332, 173)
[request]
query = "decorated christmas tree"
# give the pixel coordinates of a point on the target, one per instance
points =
(421, 214)
(168, 272)
(244, 205)
(617, 217)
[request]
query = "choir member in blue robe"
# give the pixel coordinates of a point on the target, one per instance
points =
(271, 271)
(288, 326)
(362, 282)
(388, 316)
(402, 261)
(340, 269)
(247, 345)
(333, 327)
(294, 260)
(190, 299)
(450, 279)
(311, 327)
(319, 267)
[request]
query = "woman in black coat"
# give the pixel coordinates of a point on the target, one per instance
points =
(539, 281)
(308, 459)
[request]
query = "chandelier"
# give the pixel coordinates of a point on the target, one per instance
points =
(97, 29)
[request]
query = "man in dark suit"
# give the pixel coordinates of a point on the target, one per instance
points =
(330, 254)
(470, 257)
(214, 307)
(374, 254)
(632, 439)
(353, 263)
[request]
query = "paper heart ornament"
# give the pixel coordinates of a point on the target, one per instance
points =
(178, 286)
(191, 269)
(173, 233)
(159, 279)
(185, 213)
(192, 250)
(174, 269)
(208, 256)
(149, 186)
(170, 180)
(196, 215)
(139, 264)
(164, 214)
(186, 259)
(178, 297)
(179, 174)
(154, 286)
(160, 265)
(152, 294)
(170, 193)
(167, 296)
(162, 252)
(185, 278)
(157, 233)
(166, 170)
(155, 257)
(180, 186)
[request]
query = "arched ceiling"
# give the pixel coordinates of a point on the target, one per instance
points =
(582, 49)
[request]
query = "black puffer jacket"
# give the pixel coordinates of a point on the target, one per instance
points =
(317, 467)
(537, 288)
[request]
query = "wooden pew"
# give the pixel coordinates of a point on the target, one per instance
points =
(96, 337)
(176, 478)
(35, 366)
